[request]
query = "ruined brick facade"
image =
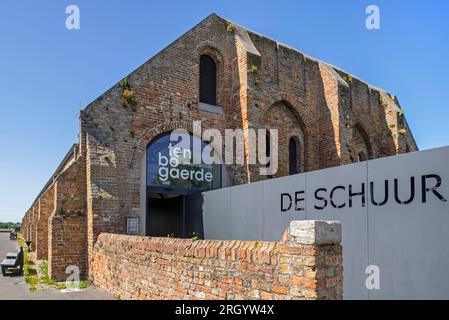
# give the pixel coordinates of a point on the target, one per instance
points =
(335, 118)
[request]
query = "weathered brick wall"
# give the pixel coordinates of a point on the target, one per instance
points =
(361, 149)
(32, 226)
(282, 118)
(35, 224)
(28, 228)
(306, 265)
(261, 84)
(67, 244)
(282, 75)
(67, 239)
(334, 107)
(24, 226)
(167, 94)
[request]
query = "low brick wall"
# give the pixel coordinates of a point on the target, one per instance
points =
(307, 264)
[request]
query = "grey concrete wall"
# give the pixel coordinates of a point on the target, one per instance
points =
(409, 242)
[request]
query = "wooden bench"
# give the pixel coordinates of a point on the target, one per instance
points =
(12, 255)
(13, 261)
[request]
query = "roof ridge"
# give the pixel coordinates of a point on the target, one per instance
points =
(304, 54)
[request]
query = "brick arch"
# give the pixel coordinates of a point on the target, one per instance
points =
(139, 152)
(210, 49)
(150, 133)
(299, 134)
(285, 99)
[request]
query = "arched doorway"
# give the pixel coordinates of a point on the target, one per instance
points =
(178, 168)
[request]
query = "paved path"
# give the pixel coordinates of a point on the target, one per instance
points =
(15, 288)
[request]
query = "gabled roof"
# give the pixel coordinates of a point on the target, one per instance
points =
(243, 32)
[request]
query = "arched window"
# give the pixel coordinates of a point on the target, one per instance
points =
(170, 164)
(293, 156)
(267, 145)
(208, 80)
(268, 150)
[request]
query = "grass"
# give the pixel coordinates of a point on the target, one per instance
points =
(32, 281)
(21, 242)
(42, 279)
(82, 284)
(45, 280)
(61, 286)
(43, 274)
(30, 278)
(85, 284)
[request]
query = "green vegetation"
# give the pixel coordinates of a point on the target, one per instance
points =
(32, 281)
(61, 286)
(43, 274)
(45, 280)
(195, 236)
(85, 284)
(230, 27)
(41, 279)
(30, 277)
(7, 226)
(82, 284)
(128, 99)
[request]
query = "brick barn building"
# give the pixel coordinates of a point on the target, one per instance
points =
(229, 78)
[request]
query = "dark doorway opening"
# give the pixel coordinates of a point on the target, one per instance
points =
(175, 215)
(165, 217)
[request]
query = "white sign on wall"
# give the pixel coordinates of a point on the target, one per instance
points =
(132, 226)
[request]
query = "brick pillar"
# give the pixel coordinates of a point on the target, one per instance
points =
(312, 255)
(23, 230)
(30, 224)
(67, 230)
(31, 227)
(46, 206)
(35, 221)
(27, 225)
(27, 230)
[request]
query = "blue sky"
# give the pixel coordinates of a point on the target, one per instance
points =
(48, 73)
